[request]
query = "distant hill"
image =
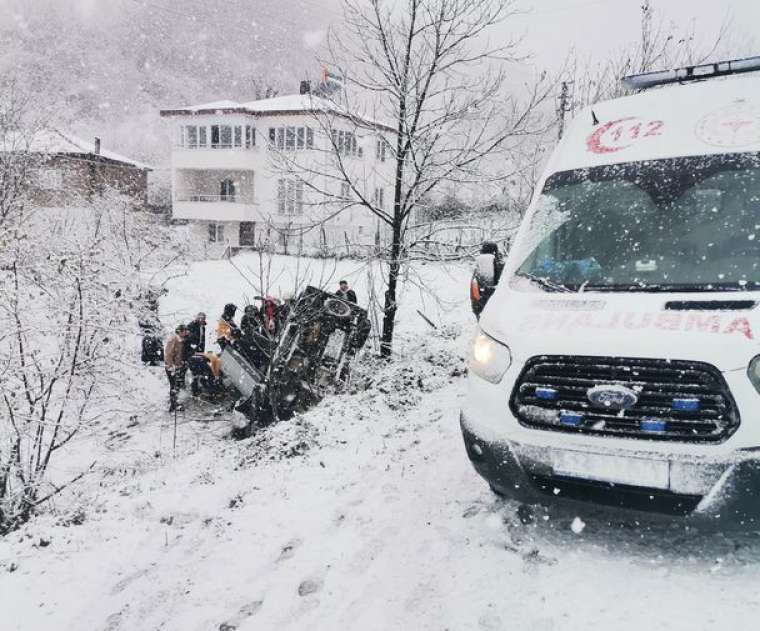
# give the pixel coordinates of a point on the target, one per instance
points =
(108, 67)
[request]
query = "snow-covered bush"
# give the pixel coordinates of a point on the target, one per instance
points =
(72, 286)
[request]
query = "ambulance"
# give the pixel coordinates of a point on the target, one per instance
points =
(618, 362)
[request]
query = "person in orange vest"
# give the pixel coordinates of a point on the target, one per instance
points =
(226, 329)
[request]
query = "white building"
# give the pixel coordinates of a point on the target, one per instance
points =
(269, 171)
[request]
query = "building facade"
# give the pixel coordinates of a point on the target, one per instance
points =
(276, 172)
(64, 170)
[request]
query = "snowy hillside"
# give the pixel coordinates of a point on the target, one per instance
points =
(361, 514)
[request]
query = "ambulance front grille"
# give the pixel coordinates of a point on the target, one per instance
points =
(683, 401)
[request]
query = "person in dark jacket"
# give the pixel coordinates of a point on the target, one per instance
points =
(255, 344)
(196, 340)
(251, 321)
(345, 292)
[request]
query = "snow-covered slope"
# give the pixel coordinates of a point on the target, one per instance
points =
(362, 514)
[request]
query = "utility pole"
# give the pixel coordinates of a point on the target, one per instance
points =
(564, 106)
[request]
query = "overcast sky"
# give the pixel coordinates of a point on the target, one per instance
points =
(597, 27)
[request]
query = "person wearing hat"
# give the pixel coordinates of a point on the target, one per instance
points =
(226, 329)
(196, 340)
(345, 292)
(175, 362)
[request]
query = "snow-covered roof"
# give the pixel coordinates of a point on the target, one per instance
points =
(286, 104)
(214, 105)
(52, 141)
(291, 103)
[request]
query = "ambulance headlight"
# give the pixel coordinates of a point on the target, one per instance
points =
(753, 371)
(489, 359)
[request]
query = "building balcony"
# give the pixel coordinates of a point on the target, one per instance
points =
(217, 158)
(203, 207)
(214, 195)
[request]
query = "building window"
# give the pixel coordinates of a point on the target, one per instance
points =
(50, 179)
(381, 149)
(191, 136)
(379, 198)
(289, 196)
(344, 142)
(217, 136)
(226, 136)
(291, 138)
(227, 190)
(216, 232)
(221, 136)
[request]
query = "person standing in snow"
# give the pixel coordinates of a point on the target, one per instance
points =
(489, 265)
(175, 362)
(250, 323)
(345, 292)
(196, 340)
(226, 329)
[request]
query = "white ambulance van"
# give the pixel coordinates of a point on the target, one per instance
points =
(618, 362)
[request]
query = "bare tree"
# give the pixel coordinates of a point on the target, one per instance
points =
(426, 70)
(17, 131)
(660, 46)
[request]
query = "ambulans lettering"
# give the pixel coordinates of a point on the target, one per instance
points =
(668, 321)
(702, 323)
(570, 322)
(636, 321)
(621, 134)
(740, 325)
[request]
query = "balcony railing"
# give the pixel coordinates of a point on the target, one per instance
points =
(202, 197)
(215, 146)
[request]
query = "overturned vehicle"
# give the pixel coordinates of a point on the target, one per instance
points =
(279, 374)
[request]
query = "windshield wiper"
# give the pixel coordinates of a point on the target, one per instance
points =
(672, 287)
(544, 282)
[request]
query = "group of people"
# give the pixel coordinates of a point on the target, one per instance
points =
(255, 338)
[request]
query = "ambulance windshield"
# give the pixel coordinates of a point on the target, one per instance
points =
(680, 224)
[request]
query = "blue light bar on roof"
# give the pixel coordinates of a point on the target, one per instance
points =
(691, 73)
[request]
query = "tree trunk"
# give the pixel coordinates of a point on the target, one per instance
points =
(389, 310)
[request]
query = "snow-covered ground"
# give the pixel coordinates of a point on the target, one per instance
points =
(361, 514)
